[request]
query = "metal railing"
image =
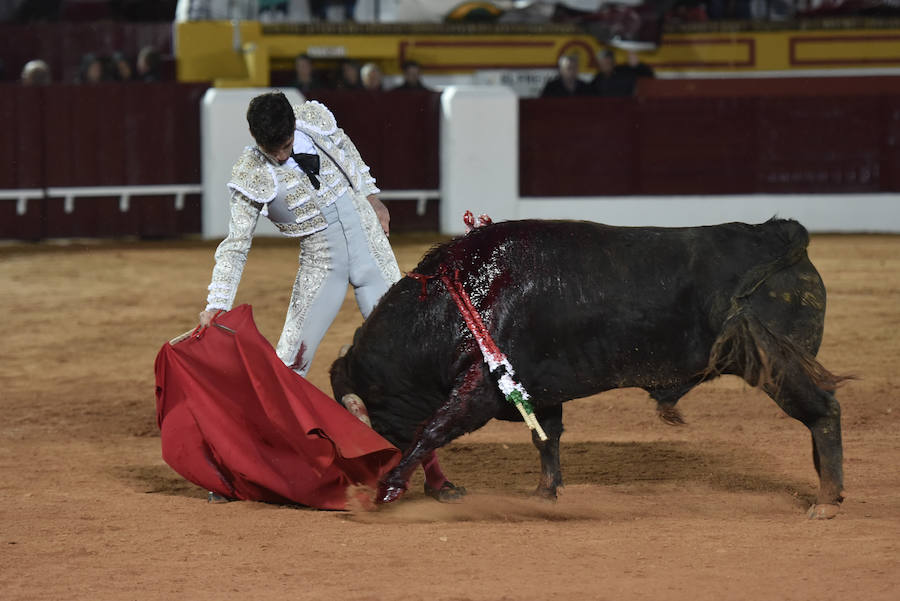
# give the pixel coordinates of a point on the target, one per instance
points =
(21, 197)
(420, 196)
(69, 194)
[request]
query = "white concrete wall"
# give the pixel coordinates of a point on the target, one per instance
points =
(479, 154)
(817, 212)
(224, 135)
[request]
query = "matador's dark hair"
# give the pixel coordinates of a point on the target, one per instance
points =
(271, 119)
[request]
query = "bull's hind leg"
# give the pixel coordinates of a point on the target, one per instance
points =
(472, 404)
(819, 411)
(550, 419)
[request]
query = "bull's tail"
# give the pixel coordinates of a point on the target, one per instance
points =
(748, 348)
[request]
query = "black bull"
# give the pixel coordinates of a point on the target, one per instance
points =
(580, 308)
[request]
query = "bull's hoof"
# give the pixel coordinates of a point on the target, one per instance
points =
(822, 511)
(388, 493)
(544, 494)
(447, 493)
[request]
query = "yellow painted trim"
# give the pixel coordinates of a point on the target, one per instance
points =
(206, 51)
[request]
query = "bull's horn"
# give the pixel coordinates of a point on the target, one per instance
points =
(356, 407)
(343, 352)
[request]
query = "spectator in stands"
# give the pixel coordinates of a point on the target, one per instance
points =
(148, 64)
(609, 80)
(92, 69)
(412, 76)
(36, 73)
(319, 9)
(216, 10)
(634, 68)
(371, 77)
(566, 83)
(305, 78)
(273, 10)
(121, 67)
(692, 11)
(349, 76)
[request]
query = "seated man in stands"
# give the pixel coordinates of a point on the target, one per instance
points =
(412, 76)
(371, 77)
(305, 79)
(148, 64)
(566, 83)
(611, 79)
(36, 73)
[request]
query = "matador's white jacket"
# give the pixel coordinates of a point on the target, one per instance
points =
(286, 196)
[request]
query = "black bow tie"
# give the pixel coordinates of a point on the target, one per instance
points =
(310, 165)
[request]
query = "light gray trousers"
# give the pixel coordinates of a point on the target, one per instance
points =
(329, 260)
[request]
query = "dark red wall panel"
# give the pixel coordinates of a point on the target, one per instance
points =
(577, 146)
(711, 145)
(397, 133)
(21, 144)
(826, 144)
(696, 146)
(69, 135)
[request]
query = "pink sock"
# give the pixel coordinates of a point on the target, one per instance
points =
(434, 476)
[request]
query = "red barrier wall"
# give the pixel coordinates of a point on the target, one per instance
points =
(674, 138)
(396, 132)
(100, 135)
(149, 134)
(818, 135)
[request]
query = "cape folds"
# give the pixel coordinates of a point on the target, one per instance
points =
(237, 421)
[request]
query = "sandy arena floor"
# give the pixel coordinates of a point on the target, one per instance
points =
(710, 511)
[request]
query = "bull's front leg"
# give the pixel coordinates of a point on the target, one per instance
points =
(550, 419)
(471, 405)
(395, 482)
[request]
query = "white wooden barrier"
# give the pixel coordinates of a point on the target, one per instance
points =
(124, 193)
(223, 136)
(479, 154)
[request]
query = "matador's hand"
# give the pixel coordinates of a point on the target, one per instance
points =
(206, 317)
(381, 211)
